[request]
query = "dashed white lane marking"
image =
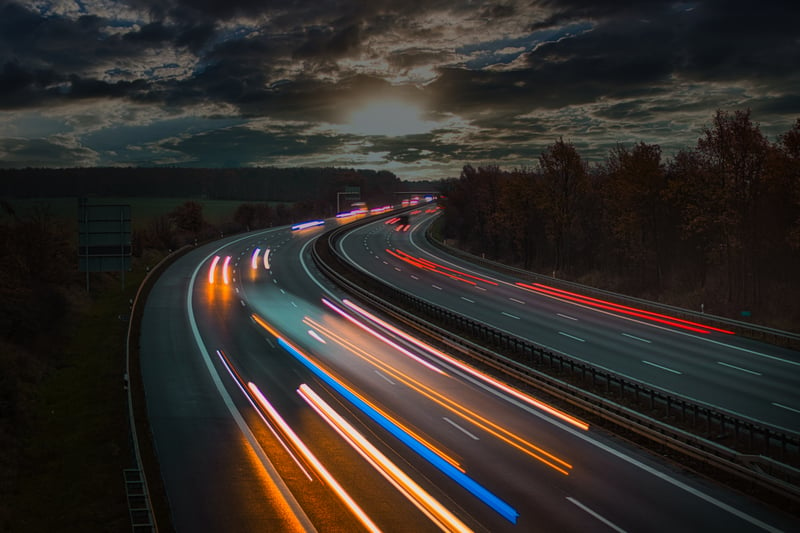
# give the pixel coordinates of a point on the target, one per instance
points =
(518, 301)
(634, 337)
(661, 367)
(384, 376)
(786, 407)
(739, 368)
(601, 518)
(566, 316)
(509, 315)
(474, 437)
(573, 337)
(467, 300)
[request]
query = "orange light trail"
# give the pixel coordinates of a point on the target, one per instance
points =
(312, 459)
(389, 370)
(431, 507)
(474, 372)
(237, 378)
(443, 401)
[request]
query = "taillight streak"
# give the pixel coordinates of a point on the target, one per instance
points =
(439, 269)
(618, 308)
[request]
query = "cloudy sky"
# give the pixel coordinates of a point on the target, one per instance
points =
(417, 87)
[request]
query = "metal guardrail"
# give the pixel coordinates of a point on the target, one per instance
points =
(756, 453)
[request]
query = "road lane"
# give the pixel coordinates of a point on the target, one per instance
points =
(701, 367)
(607, 481)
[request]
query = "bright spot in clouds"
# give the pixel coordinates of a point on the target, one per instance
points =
(391, 118)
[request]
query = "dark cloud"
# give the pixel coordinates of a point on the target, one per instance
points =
(513, 73)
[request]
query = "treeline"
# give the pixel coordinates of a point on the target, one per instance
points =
(256, 184)
(717, 225)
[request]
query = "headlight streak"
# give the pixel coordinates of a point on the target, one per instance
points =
(237, 378)
(431, 507)
(226, 270)
(383, 338)
(316, 336)
(617, 308)
(472, 417)
(212, 269)
(254, 258)
(472, 486)
(306, 225)
(361, 353)
(470, 370)
(266, 258)
(312, 459)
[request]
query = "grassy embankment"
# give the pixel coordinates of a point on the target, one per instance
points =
(75, 439)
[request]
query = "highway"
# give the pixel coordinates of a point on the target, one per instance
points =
(746, 377)
(276, 404)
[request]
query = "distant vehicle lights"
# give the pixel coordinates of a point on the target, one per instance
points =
(306, 225)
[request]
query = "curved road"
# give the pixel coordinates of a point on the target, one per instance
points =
(273, 410)
(747, 377)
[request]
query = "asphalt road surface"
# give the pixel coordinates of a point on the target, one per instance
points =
(276, 406)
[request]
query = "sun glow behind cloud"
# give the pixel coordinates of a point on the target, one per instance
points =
(391, 118)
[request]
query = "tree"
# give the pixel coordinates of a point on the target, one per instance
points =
(790, 168)
(564, 179)
(734, 153)
(189, 217)
(636, 181)
(520, 218)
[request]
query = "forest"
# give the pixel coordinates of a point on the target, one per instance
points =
(246, 184)
(716, 227)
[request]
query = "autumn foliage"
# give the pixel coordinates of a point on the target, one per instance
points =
(716, 225)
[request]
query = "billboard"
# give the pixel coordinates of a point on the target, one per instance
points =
(104, 237)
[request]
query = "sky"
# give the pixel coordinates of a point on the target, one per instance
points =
(416, 87)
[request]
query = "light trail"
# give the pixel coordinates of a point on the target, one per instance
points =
(624, 309)
(226, 270)
(436, 267)
(388, 369)
(312, 459)
(212, 269)
(383, 338)
(469, 484)
(254, 258)
(443, 401)
(237, 378)
(470, 370)
(306, 225)
(266, 258)
(426, 503)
